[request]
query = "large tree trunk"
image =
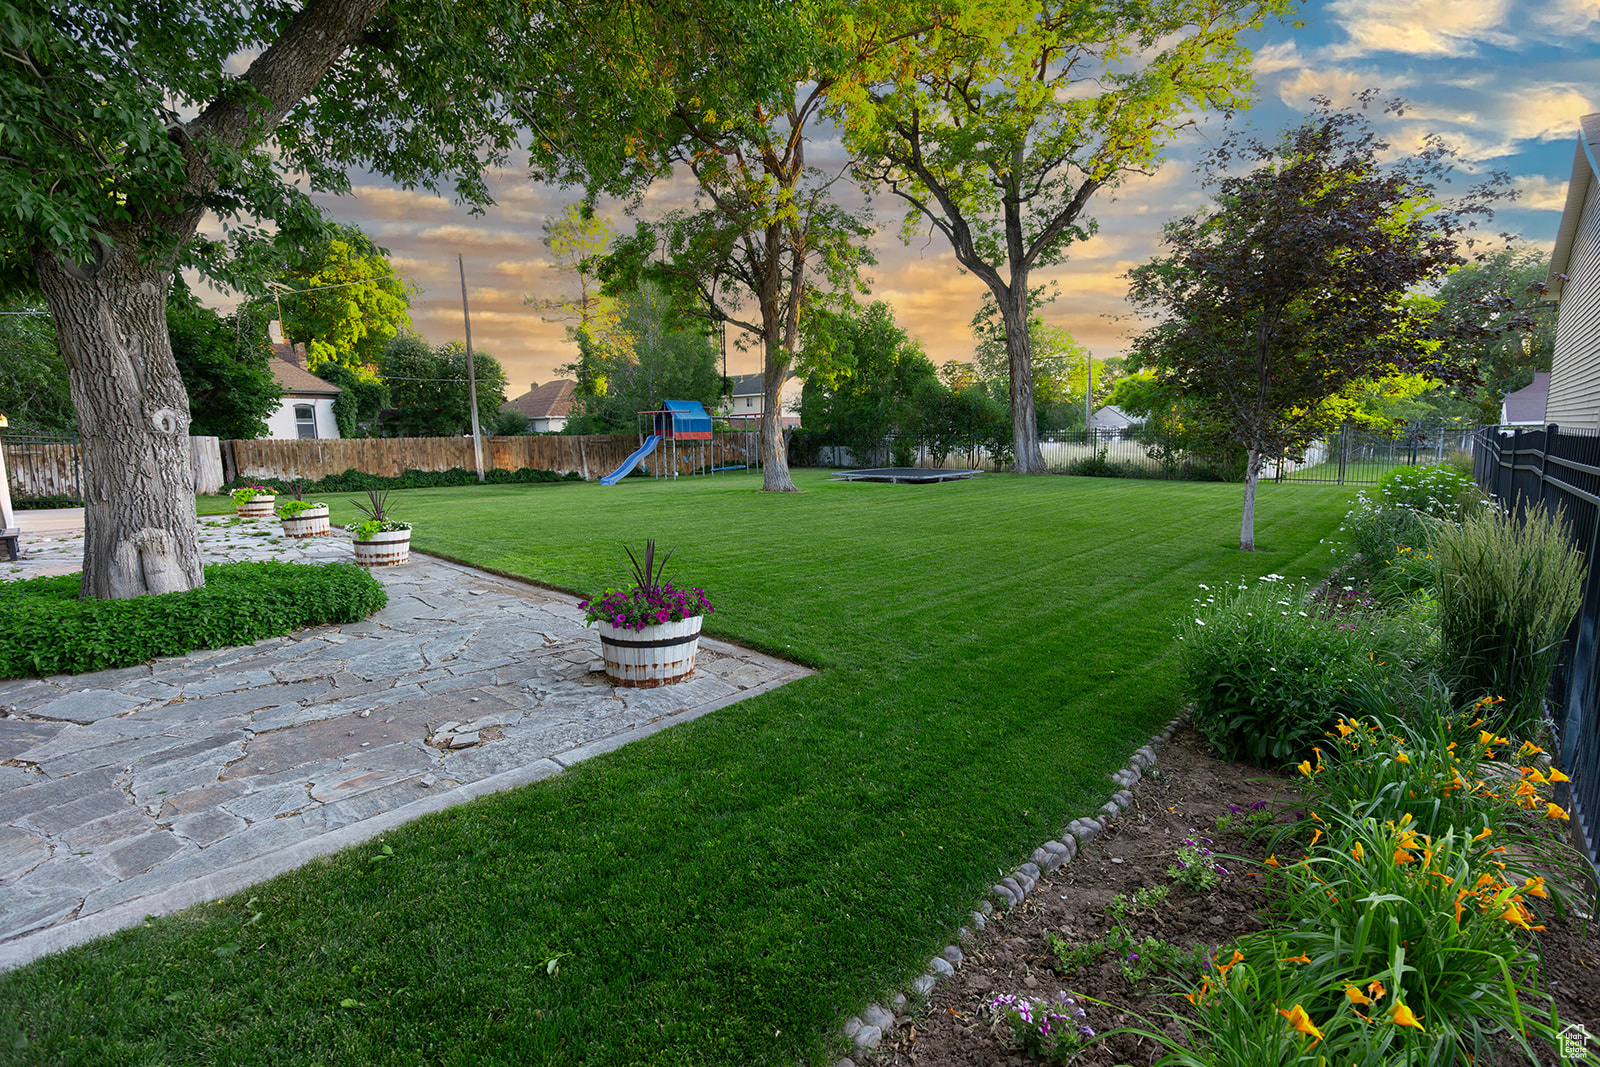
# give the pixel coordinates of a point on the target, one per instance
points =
(1247, 525)
(780, 331)
(774, 451)
(1028, 459)
(133, 414)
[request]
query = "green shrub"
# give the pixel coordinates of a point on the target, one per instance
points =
(354, 481)
(1270, 670)
(1442, 491)
(1387, 532)
(1098, 466)
(1507, 591)
(46, 629)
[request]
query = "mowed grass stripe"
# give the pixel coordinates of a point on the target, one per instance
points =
(723, 892)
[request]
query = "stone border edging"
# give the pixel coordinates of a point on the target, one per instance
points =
(867, 1029)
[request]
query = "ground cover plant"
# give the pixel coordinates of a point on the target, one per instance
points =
(724, 892)
(46, 629)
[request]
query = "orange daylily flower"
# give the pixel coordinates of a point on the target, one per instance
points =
(1557, 776)
(1377, 990)
(1403, 856)
(1299, 1020)
(1534, 887)
(1487, 830)
(1358, 852)
(1302, 958)
(1356, 996)
(1305, 767)
(1402, 1017)
(1344, 729)
(1515, 913)
(1401, 757)
(1224, 968)
(1272, 860)
(1556, 811)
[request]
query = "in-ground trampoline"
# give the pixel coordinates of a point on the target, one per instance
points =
(903, 474)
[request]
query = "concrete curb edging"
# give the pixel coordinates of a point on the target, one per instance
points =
(866, 1030)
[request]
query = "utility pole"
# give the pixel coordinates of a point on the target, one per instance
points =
(1088, 402)
(472, 373)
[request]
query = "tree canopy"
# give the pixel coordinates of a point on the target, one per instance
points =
(1498, 325)
(728, 92)
(224, 365)
(998, 123)
(35, 396)
(1296, 282)
(127, 121)
(862, 373)
(428, 387)
(656, 362)
(343, 300)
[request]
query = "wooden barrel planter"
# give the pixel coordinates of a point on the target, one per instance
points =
(312, 522)
(386, 548)
(656, 655)
(257, 507)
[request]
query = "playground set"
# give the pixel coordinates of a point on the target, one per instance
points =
(680, 438)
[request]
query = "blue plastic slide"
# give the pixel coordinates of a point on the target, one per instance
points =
(632, 461)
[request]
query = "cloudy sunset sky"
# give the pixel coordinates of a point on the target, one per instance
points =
(1503, 82)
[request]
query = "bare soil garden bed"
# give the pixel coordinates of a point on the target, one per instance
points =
(1188, 791)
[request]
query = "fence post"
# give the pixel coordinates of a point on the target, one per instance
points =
(1551, 433)
(1344, 448)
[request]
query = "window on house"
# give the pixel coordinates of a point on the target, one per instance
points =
(305, 420)
(749, 401)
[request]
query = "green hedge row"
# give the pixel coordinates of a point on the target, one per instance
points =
(46, 629)
(354, 481)
(40, 503)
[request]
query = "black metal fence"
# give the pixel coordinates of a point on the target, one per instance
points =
(1352, 455)
(1522, 468)
(42, 471)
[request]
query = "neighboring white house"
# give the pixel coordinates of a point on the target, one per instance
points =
(1526, 406)
(1574, 397)
(546, 407)
(748, 398)
(1110, 418)
(307, 407)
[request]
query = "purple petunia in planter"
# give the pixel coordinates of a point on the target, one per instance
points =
(650, 631)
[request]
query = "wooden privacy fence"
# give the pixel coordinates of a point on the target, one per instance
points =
(49, 468)
(591, 456)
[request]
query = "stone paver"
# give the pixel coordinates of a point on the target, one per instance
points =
(143, 790)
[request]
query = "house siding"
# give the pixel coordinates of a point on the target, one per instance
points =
(283, 425)
(1574, 402)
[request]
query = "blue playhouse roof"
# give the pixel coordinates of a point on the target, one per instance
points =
(689, 420)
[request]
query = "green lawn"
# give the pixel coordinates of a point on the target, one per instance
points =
(726, 891)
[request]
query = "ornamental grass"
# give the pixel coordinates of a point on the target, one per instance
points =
(1507, 590)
